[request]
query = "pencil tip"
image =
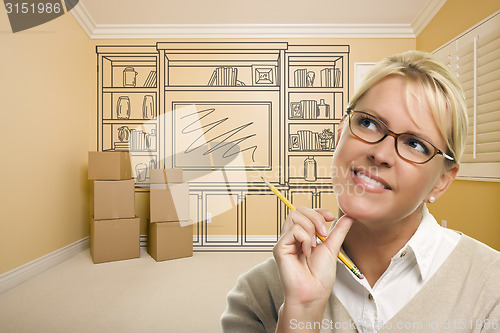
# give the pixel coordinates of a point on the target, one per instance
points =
(265, 181)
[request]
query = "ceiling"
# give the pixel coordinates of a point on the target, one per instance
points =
(256, 18)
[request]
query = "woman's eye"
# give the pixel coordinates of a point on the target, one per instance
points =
(368, 123)
(418, 146)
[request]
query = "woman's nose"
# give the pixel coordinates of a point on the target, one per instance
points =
(383, 153)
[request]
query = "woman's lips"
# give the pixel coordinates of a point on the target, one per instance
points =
(370, 182)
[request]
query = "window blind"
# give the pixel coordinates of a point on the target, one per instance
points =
(475, 58)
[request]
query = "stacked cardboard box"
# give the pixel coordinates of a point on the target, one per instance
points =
(114, 228)
(170, 233)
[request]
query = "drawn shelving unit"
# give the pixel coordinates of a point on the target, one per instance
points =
(223, 116)
(228, 113)
(316, 96)
(127, 105)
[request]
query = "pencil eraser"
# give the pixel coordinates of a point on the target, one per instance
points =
(361, 276)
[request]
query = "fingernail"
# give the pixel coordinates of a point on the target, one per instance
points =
(331, 216)
(323, 230)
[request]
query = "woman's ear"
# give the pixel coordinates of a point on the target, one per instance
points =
(443, 183)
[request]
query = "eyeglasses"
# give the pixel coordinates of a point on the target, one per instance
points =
(408, 146)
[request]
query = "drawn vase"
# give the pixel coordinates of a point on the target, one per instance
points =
(129, 75)
(310, 79)
(123, 108)
(310, 169)
(123, 133)
(323, 110)
(148, 107)
(141, 171)
(151, 140)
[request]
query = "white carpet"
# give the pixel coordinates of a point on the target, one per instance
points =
(138, 295)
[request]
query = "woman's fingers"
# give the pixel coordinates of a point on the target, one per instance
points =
(338, 234)
(327, 215)
(304, 216)
(295, 240)
(315, 220)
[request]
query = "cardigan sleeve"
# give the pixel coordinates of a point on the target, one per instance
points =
(253, 304)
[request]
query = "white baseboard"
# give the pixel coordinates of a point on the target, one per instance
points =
(25, 272)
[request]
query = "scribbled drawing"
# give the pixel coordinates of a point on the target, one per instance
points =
(222, 129)
(233, 145)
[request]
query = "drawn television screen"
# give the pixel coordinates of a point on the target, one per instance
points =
(216, 135)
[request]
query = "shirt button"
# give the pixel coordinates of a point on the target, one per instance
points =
(370, 297)
(403, 254)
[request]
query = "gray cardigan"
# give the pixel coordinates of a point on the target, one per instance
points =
(462, 296)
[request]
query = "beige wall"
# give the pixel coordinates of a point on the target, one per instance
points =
(45, 107)
(454, 18)
(471, 207)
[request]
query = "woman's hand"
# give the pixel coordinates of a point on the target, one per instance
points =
(307, 270)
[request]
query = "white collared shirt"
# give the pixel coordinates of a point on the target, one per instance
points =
(408, 271)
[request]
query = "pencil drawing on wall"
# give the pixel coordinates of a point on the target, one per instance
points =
(227, 114)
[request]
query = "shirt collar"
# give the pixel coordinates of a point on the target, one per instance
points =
(424, 243)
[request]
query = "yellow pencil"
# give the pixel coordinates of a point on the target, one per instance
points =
(342, 258)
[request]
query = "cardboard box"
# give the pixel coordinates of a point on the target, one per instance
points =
(165, 176)
(114, 199)
(116, 239)
(169, 202)
(170, 240)
(109, 165)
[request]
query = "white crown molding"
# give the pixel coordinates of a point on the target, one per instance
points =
(425, 16)
(108, 31)
(83, 17)
(142, 31)
(25, 272)
(252, 31)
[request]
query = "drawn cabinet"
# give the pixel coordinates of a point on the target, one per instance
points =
(222, 109)
(127, 105)
(227, 114)
(241, 217)
(316, 96)
(314, 197)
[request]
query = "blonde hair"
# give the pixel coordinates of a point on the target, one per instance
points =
(445, 96)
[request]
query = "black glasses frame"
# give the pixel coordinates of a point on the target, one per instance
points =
(350, 112)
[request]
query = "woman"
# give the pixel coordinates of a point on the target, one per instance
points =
(399, 147)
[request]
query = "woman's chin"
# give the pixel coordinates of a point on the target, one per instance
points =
(355, 207)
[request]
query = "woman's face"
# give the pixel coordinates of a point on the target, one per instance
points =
(373, 184)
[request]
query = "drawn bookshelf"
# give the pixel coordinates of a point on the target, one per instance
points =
(228, 113)
(127, 105)
(315, 99)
